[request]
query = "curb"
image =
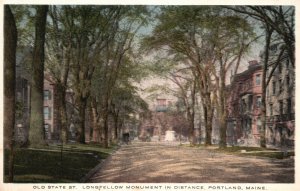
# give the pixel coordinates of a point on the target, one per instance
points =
(98, 167)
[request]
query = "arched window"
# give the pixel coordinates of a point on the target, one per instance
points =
(258, 80)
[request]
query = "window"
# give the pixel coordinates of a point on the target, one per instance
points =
(258, 79)
(47, 113)
(280, 86)
(258, 102)
(47, 130)
(250, 102)
(274, 87)
(19, 96)
(243, 105)
(271, 109)
(47, 95)
(161, 105)
(258, 124)
(162, 102)
(280, 107)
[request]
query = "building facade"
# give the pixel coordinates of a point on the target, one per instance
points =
(244, 123)
(23, 90)
(51, 125)
(280, 100)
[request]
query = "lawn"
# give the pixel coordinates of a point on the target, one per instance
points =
(50, 165)
(257, 151)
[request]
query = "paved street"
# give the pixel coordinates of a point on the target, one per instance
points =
(158, 162)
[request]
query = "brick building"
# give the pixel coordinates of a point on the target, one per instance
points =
(244, 106)
(50, 109)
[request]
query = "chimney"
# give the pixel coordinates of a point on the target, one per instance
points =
(252, 63)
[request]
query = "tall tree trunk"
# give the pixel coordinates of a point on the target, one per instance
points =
(96, 134)
(223, 128)
(36, 131)
(65, 121)
(206, 105)
(63, 118)
(191, 129)
(209, 125)
(105, 125)
(81, 129)
(208, 117)
(222, 109)
(193, 110)
(116, 123)
(264, 89)
(10, 45)
(106, 137)
(207, 137)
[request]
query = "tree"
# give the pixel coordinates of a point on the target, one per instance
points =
(36, 131)
(93, 29)
(182, 75)
(187, 94)
(231, 38)
(125, 99)
(125, 103)
(114, 56)
(280, 19)
(178, 30)
(212, 41)
(58, 60)
(10, 45)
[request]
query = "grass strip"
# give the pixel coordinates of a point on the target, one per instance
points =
(257, 151)
(53, 165)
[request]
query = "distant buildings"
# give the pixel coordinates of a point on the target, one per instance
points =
(157, 122)
(162, 104)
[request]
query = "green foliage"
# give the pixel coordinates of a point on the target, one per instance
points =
(24, 16)
(182, 27)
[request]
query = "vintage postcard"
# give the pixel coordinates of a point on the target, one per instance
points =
(151, 96)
